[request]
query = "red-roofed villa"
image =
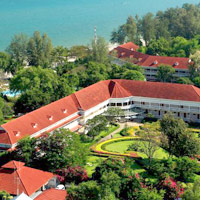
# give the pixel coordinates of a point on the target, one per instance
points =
(16, 178)
(128, 53)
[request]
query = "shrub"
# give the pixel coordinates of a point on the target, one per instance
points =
(72, 174)
(124, 132)
(186, 168)
(85, 139)
(172, 189)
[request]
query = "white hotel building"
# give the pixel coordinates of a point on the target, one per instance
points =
(128, 53)
(73, 111)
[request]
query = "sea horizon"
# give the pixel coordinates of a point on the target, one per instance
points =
(70, 23)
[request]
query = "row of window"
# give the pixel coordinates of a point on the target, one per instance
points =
(153, 104)
(178, 114)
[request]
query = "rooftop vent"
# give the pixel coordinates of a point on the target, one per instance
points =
(132, 49)
(34, 125)
(155, 62)
(64, 111)
(16, 133)
(176, 63)
(189, 61)
(50, 117)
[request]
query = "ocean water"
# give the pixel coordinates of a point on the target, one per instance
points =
(71, 22)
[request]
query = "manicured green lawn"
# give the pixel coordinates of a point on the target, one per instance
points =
(119, 147)
(122, 146)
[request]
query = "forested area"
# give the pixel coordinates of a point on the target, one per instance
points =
(173, 22)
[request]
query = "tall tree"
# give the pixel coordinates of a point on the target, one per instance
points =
(126, 32)
(39, 50)
(99, 50)
(18, 48)
(165, 73)
(34, 77)
(195, 64)
(133, 75)
(176, 139)
(60, 149)
(147, 27)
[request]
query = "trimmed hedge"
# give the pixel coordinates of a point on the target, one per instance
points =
(99, 149)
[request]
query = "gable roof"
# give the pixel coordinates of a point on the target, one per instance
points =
(52, 194)
(149, 60)
(117, 91)
(130, 46)
(88, 98)
(171, 91)
(28, 180)
(37, 120)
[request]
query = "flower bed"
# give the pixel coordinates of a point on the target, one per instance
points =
(100, 150)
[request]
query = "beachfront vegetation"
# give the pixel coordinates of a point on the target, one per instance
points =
(173, 22)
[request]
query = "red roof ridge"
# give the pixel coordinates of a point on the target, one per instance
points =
(21, 181)
(75, 99)
(129, 45)
(116, 90)
(196, 89)
(11, 163)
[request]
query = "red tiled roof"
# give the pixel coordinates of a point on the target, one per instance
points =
(52, 194)
(161, 90)
(13, 165)
(130, 46)
(90, 97)
(182, 63)
(117, 91)
(24, 125)
(93, 95)
(149, 60)
(15, 175)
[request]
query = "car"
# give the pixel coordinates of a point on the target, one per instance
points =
(60, 187)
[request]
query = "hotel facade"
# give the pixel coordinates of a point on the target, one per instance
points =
(128, 53)
(73, 111)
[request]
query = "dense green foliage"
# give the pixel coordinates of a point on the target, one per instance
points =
(176, 139)
(5, 196)
(174, 47)
(58, 150)
(173, 22)
(192, 192)
(165, 73)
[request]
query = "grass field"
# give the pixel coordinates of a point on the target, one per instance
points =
(122, 146)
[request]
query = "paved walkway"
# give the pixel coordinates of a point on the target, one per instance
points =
(121, 126)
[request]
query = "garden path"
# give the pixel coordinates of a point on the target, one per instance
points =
(121, 126)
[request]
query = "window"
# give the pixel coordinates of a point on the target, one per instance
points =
(119, 104)
(112, 104)
(178, 114)
(125, 104)
(185, 115)
(132, 102)
(198, 116)
(158, 112)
